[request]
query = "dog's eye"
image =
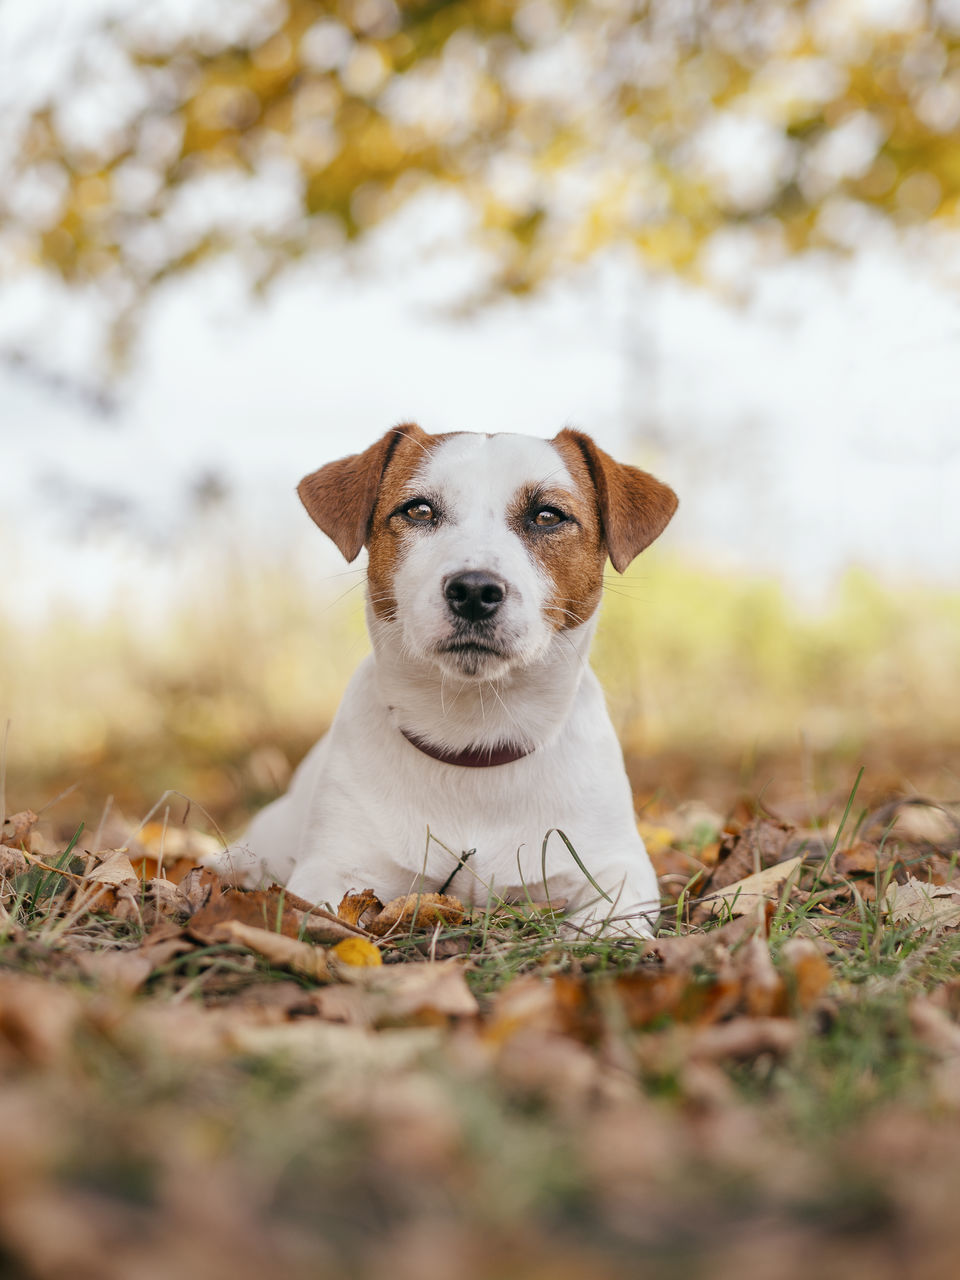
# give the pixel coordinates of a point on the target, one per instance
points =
(419, 512)
(548, 518)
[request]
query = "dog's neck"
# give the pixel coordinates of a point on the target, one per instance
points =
(527, 708)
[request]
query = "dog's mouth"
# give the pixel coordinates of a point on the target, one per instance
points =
(470, 656)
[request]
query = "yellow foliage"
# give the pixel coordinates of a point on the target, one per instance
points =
(447, 91)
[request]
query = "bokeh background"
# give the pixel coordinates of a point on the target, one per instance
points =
(239, 238)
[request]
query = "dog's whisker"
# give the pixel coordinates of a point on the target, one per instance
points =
(506, 710)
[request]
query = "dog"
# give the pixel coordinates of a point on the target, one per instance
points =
(472, 752)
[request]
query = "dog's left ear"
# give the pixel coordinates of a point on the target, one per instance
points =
(341, 496)
(635, 507)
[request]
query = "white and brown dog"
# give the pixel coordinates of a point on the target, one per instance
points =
(476, 718)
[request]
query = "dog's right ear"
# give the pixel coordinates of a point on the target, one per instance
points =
(341, 496)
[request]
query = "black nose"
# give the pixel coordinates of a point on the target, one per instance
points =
(474, 594)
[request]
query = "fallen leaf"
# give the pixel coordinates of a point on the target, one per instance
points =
(199, 886)
(920, 819)
(37, 1018)
(114, 869)
(933, 1028)
(744, 895)
(358, 952)
(763, 992)
(397, 995)
(417, 911)
(688, 949)
(285, 953)
(807, 972)
(17, 828)
(759, 844)
(162, 900)
(933, 905)
(415, 991)
(746, 1038)
(253, 907)
(354, 906)
(858, 859)
(12, 861)
(124, 971)
(127, 905)
(644, 997)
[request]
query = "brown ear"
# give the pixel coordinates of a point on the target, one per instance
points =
(635, 507)
(341, 496)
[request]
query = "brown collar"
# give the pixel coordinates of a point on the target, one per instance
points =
(472, 757)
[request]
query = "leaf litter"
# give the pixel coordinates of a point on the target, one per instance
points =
(494, 1088)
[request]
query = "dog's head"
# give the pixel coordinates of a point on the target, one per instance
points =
(482, 548)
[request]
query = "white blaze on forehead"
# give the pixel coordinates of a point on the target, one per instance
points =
(477, 474)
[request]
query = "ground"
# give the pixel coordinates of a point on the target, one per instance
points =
(203, 1082)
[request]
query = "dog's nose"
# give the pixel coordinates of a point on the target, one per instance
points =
(474, 594)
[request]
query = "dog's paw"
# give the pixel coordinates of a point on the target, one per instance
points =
(236, 866)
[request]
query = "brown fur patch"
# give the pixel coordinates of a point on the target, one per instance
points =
(572, 554)
(634, 506)
(386, 535)
(346, 498)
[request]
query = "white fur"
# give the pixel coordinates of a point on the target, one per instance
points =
(361, 804)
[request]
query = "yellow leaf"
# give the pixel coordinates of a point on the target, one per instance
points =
(358, 952)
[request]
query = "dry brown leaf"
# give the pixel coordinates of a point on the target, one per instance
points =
(858, 859)
(354, 906)
(759, 844)
(808, 973)
(17, 828)
(124, 971)
(12, 861)
(746, 1038)
(692, 948)
(128, 901)
(286, 953)
(920, 819)
(198, 886)
(273, 909)
(644, 997)
(935, 906)
(114, 869)
(743, 896)
(763, 992)
(933, 1028)
(417, 911)
(37, 1018)
(162, 900)
(425, 992)
(254, 907)
(165, 942)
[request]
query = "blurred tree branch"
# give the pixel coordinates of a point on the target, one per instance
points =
(273, 130)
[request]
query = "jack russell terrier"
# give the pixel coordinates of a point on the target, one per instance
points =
(476, 728)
